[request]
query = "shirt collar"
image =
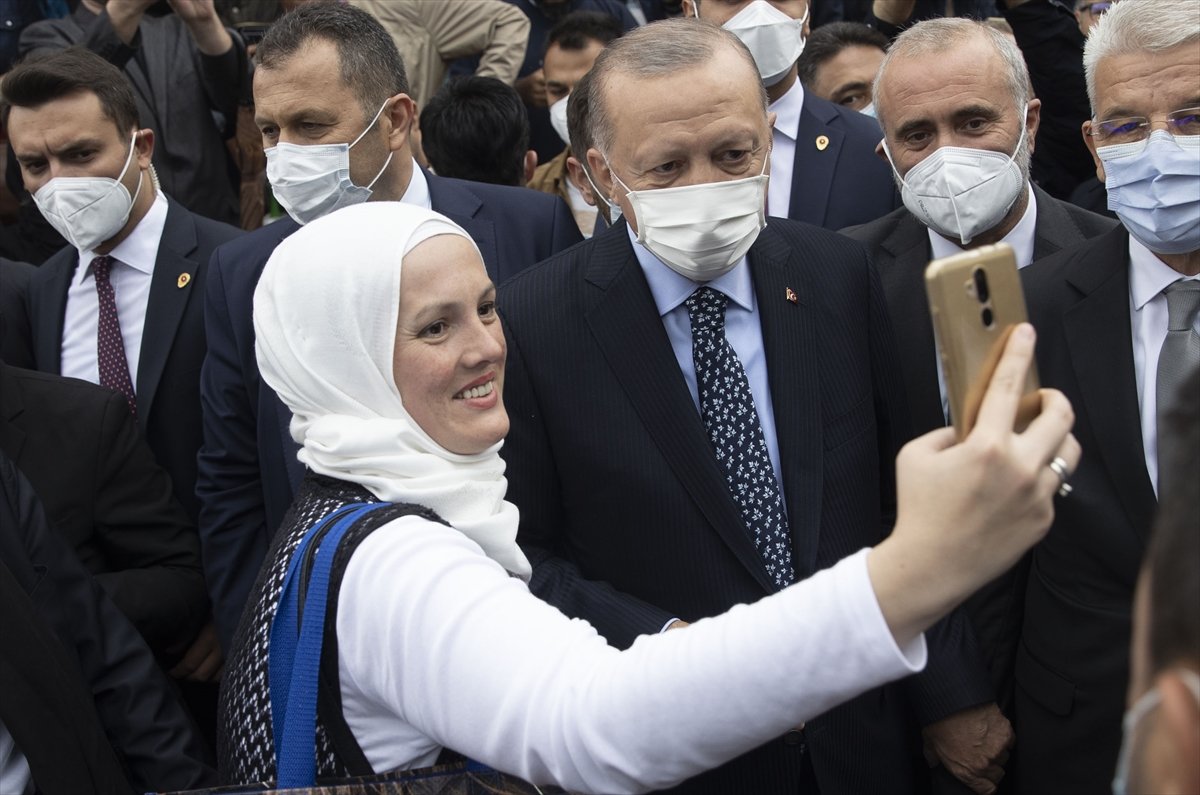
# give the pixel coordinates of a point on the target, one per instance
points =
(1020, 237)
(1148, 275)
(417, 192)
(787, 110)
(140, 249)
(670, 289)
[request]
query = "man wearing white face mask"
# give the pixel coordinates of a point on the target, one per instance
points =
(1119, 324)
(958, 122)
(821, 169)
(331, 101)
(701, 400)
(120, 305)
(571, 49)
(953, 98)
(117, 307)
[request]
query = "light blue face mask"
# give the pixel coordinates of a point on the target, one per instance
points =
(869, 110)
(1155, 191)
(1133, 717)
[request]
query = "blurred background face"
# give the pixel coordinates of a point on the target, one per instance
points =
(563, 68)
(721, 11)
(845, 79)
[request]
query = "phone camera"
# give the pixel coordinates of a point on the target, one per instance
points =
(987, 317)
(981, 286)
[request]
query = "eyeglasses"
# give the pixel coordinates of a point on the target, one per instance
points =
(1132, 129)
(1096, 9)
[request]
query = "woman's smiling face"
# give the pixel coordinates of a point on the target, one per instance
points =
(449, 356)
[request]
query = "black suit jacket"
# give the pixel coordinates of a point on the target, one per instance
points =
(168, 379)
(248, 466)
(899, 245)
(83, 700)
(625, 512)
(1072, 658)
(845, 183)
(102, 490)
(15, 345)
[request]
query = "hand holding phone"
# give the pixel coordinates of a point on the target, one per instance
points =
(975, 301)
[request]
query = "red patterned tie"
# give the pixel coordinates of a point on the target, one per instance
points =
(110, 348)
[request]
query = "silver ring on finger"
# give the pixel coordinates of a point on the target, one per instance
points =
(1059, 467)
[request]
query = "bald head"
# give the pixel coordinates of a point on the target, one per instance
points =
(662, 49)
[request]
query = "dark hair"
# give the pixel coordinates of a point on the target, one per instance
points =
(575, 30)
(828, 40)
(476, 128)
(1173, 559)
(578, 120)
(370, 63)
(45, 78)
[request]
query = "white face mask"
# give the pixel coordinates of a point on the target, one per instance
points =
(312, 181)
(773, 38)
(88, 210)
(558, 119)
(700, 231)
(959, 192)
(614, 209)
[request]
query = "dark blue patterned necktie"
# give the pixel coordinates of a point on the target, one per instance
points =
(727, 408)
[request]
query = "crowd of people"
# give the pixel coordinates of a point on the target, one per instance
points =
(582, 348)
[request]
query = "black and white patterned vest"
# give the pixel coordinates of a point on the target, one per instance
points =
(245, 745)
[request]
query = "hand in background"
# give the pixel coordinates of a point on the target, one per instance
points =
(973, 745)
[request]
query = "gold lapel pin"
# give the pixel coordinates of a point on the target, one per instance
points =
(183, 280)
(791, 296)
(822, 142)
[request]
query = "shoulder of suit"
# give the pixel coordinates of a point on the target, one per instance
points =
(505, 199)
(874, 232)
(1106, 251)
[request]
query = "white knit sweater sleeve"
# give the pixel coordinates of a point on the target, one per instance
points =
(438, 646)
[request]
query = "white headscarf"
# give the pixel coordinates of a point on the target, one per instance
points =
(325, 315)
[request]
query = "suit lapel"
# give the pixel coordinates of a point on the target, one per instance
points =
(790, 337)
(461, 206)
(49, 308)
(1100, 342)
(626, 325)
(903, 279)
(12, 438)
(812, 167)
(169, 296)
(1055, 229)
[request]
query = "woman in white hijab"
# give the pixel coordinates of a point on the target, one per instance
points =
(395, 376)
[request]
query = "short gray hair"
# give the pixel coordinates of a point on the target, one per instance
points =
(654, 50)
(935, 36)
(1139, 26)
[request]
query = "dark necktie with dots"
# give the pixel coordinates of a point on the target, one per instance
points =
(736, 434)
(110, 347)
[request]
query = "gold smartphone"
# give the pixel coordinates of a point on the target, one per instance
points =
(975, 301)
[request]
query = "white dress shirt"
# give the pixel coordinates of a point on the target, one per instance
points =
(1020, 237)
(783, 152)
(743, 329)
(1148, 276)
(439, 646)
(417, 191)
(130, 276)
